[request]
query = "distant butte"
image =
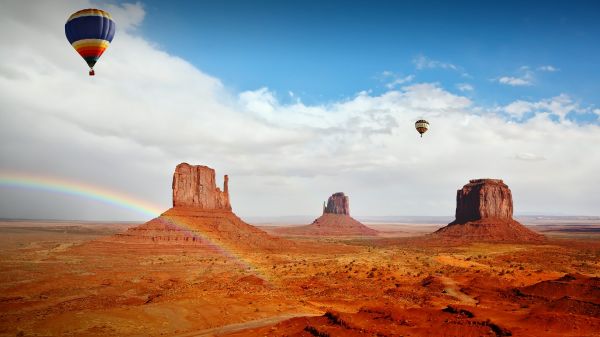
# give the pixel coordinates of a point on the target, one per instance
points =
(335, 221)
(338, 203)
(201, 215)
(484, 212)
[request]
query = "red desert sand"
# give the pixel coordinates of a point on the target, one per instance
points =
(199, 270)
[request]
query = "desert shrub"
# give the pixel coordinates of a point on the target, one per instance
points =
(335, 319)
(315, 332)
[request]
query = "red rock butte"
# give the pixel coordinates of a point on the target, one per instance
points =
(484, 212)
(335, 221)
(195, 187)
(338, 203)
(201, 215)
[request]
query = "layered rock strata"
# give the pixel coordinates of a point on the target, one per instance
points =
(484, 212)
(338, 203)
(201, 215)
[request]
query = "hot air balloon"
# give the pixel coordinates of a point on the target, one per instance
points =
(422, 126)
(90, 31)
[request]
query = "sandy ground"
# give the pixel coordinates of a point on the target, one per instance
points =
(61, 279)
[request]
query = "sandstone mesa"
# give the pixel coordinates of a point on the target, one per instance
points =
(484, 212)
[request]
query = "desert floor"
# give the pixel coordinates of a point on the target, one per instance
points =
(62, 279)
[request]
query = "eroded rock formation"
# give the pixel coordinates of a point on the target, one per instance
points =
(338, 203)
(335, 221)
(483, 198)
(484, 210)
(195, 187)
(201, 216)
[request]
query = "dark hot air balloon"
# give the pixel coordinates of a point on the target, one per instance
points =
(90, 31)
(422, 126)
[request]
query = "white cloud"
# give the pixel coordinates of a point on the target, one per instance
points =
(129, 16)
(518, 108)
(423, 62)
(529, 156)
(428, 96)
(524, 79)
(548, 68)
(515, 81)
(396, 80)
(465, 87)
(127, 128)
(559, 106)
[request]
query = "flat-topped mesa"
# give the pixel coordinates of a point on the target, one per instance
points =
(194, 186)
(483, 198)
(338, 203)
(484, 210)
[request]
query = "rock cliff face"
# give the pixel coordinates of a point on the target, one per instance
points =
(195, 187)
(484, 210)
(335, 221)
(338, 203)
(483, 198)
(201, 216)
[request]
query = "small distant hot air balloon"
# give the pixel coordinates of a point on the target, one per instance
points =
(422, 126)
(90, 31)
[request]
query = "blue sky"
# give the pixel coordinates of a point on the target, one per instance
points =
(510, 91)
(323, 51)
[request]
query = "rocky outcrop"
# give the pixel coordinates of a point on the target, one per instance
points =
(195, 187)
(338, 203)
(484, 210)
(335, 221)
(483, 198)
(337, 225)
(213, 230)
(201, 216)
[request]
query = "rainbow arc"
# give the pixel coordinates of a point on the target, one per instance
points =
(122, 200)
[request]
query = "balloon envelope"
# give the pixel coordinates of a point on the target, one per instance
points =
(90, 32)
(422, 126)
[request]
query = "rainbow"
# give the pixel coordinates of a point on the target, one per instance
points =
(221, 247)
(79, 189)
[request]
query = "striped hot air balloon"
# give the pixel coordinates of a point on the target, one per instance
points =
(90, 31)
(422, 126)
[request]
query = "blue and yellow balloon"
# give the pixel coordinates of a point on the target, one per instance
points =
(90, 32)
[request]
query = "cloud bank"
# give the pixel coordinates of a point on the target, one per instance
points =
(128, 127)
